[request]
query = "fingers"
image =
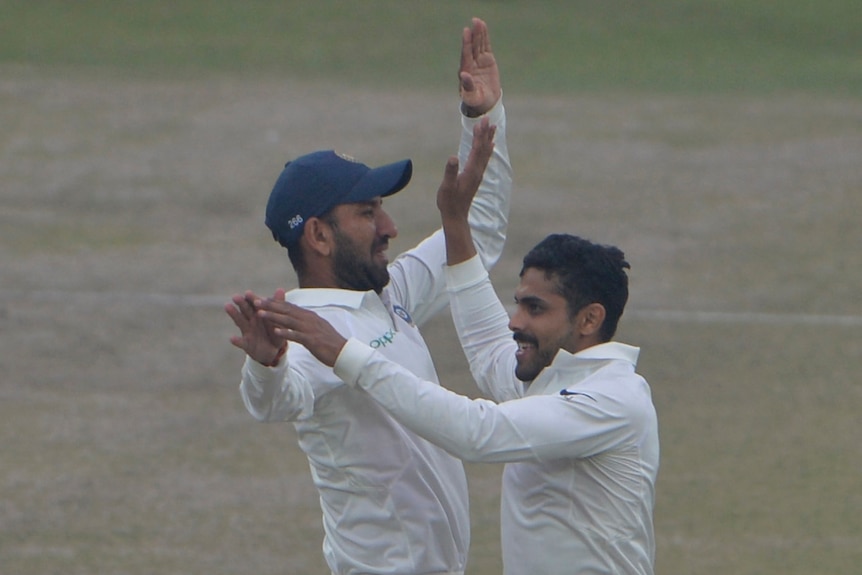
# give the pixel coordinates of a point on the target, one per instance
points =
(241, 304)
(241, 310)
(480, 40)
(235, 314)
(238, 342)
(304, 327)
(478, 77)
(467, 57)
(283, 314)
(483, 141)
(450, 172)
(480, 154)
(457, 190)
(280, 313)
(448, 187)
(475, 42)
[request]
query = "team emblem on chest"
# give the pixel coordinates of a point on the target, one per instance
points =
(402, 313)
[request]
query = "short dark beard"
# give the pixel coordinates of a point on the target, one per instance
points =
(356, 272)
(527, 373)
(544, 356)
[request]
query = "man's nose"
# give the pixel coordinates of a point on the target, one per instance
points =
(515, 321)
(386, 225)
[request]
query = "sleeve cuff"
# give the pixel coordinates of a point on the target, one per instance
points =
(494, 115)
(263, 372)
(350, 361)
(465, 274)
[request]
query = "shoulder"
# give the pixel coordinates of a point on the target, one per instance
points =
(618, 389)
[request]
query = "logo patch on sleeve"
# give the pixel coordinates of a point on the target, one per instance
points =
(402, 313)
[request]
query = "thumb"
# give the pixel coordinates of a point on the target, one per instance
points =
(467, 84)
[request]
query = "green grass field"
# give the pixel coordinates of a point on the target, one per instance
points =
(718, 143)
(703, 47)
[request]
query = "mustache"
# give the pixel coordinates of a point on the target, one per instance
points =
(380, 243)
(521, 337)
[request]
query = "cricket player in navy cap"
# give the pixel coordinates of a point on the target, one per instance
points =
(392, 502)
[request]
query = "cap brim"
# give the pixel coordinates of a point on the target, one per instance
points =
(381, 181)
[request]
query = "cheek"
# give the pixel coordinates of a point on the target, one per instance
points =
(553, 334)
(361, 234)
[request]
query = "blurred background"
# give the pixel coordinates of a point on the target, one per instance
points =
(718, 143)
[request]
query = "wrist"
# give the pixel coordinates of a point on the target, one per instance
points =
(459, 244)
(472, 111)
(275, 361)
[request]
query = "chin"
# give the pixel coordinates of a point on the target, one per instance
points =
(526, 375)
(380, 281)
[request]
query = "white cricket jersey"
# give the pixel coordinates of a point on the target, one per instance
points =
(580, 443)
(392, 502)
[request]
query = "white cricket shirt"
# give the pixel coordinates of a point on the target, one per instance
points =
(392, 502)
(580, 444)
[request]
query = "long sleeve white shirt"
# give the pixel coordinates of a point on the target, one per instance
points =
(392, 502)
(580, 443)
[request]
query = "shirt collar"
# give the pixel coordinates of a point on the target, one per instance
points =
(578, 366)
(609, 350)
(322, 297)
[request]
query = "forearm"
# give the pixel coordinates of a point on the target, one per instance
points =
(537, 428)
(459, 240)
(489, 212)
(473, 430)
(268, 397)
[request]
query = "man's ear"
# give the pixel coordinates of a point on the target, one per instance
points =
(590, 319)
(318, 236)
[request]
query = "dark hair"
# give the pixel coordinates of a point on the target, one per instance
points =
(584, 273)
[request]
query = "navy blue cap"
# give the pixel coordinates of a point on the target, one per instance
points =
(311, 185)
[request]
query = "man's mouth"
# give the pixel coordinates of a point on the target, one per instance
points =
(380, 252)
(525, 344)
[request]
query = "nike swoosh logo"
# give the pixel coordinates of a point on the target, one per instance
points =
(566, 393)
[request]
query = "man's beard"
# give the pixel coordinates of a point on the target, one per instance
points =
(357, 271)
(542, 356)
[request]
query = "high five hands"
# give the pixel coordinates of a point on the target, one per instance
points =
(265, 324)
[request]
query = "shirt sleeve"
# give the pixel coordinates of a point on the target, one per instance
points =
(287, 391)
(541, 428)
(482, 324)
(489, 213)
(416, 277)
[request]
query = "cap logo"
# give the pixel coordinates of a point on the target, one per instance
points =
(345, 156)
(295, 221)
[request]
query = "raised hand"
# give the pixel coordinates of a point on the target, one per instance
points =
(257, 338)
(478, 75)
(302, 326)
(456, 193)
